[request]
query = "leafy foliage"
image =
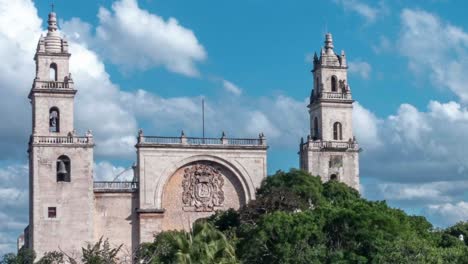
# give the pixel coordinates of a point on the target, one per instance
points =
(205, 244)
(24, 256)
(100, 253)
(53, 257)
(297, 219)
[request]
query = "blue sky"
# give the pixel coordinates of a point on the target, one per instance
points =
(148, 63)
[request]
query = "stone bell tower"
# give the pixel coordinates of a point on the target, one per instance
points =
(331, 150)
(60, 162)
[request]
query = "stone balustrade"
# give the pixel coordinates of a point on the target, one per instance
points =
(115, 186)
(183, 140)
(333, 96)
(338, 145)
(62, 140)
(53, 85)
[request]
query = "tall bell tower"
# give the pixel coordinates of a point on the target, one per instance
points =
(60, 162)
(331, 150)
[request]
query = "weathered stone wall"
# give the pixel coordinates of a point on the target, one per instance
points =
(73, 200)
(328, 114)
(318, 164)
(115, 219)
(160, 175)
(44, 62)
(42, 103)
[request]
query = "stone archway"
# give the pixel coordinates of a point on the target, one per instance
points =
(197, 190)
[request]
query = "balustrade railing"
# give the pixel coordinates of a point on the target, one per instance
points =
(332, 145)
(161, 140)
(53, 85)
(202, 141)
(244, 141)
(109, 186)
(61, 140)
(334, 96)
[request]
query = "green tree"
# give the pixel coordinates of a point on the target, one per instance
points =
(53, 257)
(205, 244)
(100, 253)
(283, 237)
(24, 256)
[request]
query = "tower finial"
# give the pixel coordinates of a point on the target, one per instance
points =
(52, 21)
(328, 41)
(52, 7)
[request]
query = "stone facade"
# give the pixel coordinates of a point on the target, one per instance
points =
(177, 179)
(331, 150)
(170, 186)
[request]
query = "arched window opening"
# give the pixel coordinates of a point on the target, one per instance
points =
(54, 120)
(53, 72)
(63, 169)
(337, 131)
(334, 84)
(316, 128)
(333, 177)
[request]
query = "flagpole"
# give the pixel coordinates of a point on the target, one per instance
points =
(203, 117)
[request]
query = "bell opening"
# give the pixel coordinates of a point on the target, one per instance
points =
(63, 169)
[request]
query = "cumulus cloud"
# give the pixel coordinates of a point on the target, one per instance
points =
(419, 146)
(365, 126)
(360, 68)
(432, 192)
(133, 37)
(14, 204)
(17, 49)
(106, 171)
(369, 13)
(98, 106)
(446, 214)
(421, 163)
(435, 50)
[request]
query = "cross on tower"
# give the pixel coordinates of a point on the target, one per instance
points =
(52, 7)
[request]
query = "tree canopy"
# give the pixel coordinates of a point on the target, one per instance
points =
(296, 219)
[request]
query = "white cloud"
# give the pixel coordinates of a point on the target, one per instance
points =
(365, 126)
(232, 88)
(418, 146)
(432, 192)
(98, 106)
(448, 213)
(133, 37)
(106, 171)
(17, 49)
(435, 50)
(361, 68)
(368, 12)
(13, 205)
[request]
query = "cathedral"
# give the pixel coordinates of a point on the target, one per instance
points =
(177, 180)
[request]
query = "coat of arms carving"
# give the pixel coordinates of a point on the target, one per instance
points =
(203, 188)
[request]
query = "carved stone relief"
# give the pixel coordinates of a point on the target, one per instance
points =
(336, 161)
(202, 188)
